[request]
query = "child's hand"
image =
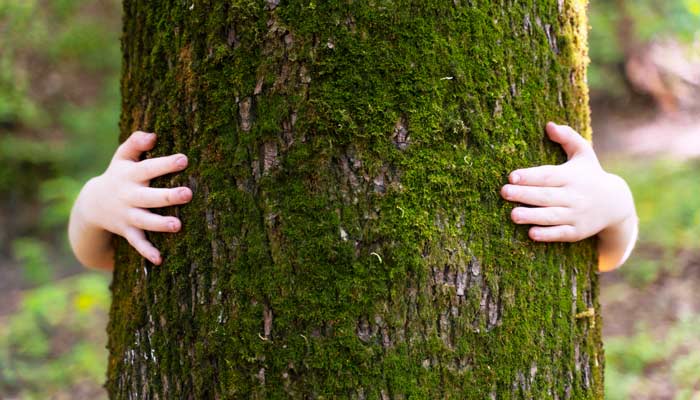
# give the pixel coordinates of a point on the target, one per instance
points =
(118, 201)
(575, 200)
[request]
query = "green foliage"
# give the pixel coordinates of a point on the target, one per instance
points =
(686, 374)
(32, 254)
(666, 194)
(88, 43)
(632, 355)
(55, 341)
(14, 104)
(628, 358)
(59, 101)
(65, 133)
(57, 195)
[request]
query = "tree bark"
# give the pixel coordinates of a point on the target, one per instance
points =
(346, 238)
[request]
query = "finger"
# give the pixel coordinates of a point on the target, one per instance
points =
(569, 139)
(535, 195)
(560, 233)
(148, 197)
(544, 216)
(155, 167)
(545, 175)
(149, 221)
(134, 145)
(137, 240)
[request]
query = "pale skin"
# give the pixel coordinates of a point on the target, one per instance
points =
(575, 200)
(117, 202)
(572, 201)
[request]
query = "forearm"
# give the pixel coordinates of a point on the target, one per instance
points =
(91, 244)
(616, 243)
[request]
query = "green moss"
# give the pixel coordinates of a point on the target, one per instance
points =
(316, 214)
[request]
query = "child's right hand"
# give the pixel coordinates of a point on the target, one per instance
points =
(118, 201)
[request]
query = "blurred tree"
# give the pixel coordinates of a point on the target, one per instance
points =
(59, 66)
(624, 37)
(347, 238)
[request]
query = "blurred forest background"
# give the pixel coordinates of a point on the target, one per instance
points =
(59, 108)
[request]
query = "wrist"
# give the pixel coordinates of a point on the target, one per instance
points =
(616, 244)
(620, 229)
(87, 202)
(623, 210)
(89, 240)
(617, 239)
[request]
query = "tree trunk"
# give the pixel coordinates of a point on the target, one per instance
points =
(347, 238)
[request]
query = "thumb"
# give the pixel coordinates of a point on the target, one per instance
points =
(134, 145)
(569, 139)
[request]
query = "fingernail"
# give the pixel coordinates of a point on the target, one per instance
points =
(173, 226)
(185, 194)
(515, 178)
(181, 162)
(154, 258)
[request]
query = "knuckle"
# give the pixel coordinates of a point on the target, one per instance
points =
(549, 177)
(559, 215)
(133, 138)
(547, 196)
(585, 148)
(125, 196)
(146, 169)
(120, 229)
(128, 199)
(578, 198)
(124, 170)
(548, 218)
(169, 197)
(129, 196)
(166, 224)
(163, 223)
(133, 217)
(141, 197)
(124, 147)
(131, 238)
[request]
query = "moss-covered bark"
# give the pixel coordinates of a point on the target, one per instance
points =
(346, 238)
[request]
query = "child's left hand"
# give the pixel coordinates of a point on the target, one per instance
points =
(574, 200)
